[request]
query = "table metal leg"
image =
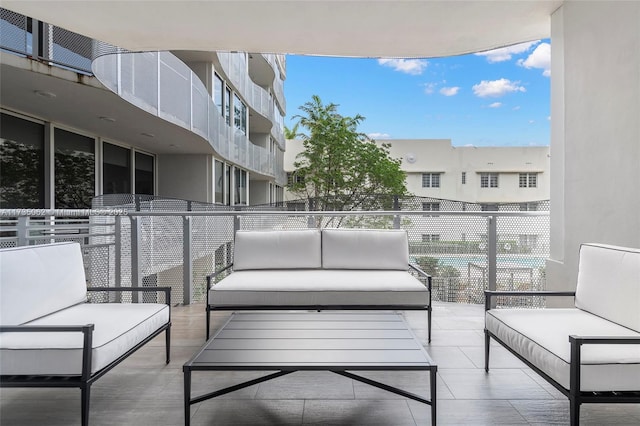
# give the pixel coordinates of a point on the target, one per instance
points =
(187, 396)
(433, 372)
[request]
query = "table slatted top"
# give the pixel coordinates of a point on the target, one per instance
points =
(313, 341)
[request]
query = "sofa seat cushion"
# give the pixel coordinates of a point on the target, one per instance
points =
(319, 287)
(542, 337)
(118, 328)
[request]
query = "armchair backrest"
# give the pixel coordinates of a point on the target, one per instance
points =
(38, 280)
(609, 283)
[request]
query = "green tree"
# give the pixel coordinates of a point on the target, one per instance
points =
(341, 168)
(291, 133)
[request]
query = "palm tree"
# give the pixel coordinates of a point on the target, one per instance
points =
(291, 133)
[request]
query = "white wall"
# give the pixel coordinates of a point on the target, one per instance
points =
(595, 131)
(187, 177)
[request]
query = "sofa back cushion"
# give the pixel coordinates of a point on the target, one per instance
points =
(609, 283)
(365, 249)
(38, 280)
(277, 250)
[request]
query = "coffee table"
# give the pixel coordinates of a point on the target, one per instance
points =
(293, 341)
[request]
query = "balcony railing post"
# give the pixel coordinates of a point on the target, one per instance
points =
(236, 221)
(117, 233)
(136, 275)
(492, 252)
(311, 220)
(396, 218)
(22, 231)
(187, 262)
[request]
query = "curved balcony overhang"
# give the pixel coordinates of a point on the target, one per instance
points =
(257, 99)
(164, 86)
(373, 28)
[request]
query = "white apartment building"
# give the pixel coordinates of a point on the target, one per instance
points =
(80, 118)
(489, 176)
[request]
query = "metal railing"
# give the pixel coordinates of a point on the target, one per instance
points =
(149, 244)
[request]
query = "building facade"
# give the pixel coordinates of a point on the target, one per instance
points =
(488, 176)
(80, 119)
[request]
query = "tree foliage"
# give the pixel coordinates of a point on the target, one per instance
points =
(341, 168)
(291, 133)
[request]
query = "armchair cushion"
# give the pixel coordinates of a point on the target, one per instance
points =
(541, 336)
(118, 328)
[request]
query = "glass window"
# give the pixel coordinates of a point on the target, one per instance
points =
(144, 174)
(528, 180)
(218, 93)
(75, 170)
(21, 163)
(239, 114)
(227, 106)
(116, 169)
(488, 180)
(431, 180)
(464, 178)
(489, 207)
(240, 186)
(429, 238)
(227, 176)
(219, 182)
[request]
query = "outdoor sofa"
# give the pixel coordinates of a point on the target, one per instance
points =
(591, 352)
(329, 269)
(51, 336)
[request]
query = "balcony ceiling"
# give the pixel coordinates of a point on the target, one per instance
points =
(370, 28)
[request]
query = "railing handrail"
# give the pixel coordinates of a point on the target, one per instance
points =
(121, 212)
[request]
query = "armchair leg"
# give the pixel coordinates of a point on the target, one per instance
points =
(208, 320)
(487, 341)
(168, 344)
(429, 324)
(85, 395)
(574, 411)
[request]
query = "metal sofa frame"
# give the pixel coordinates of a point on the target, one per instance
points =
(576, 397)
(86, 379)
(211, 279)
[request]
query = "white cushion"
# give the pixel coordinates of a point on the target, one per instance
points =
(542, 337)
(276, 249)
(609, 283)
(365, 249)
(319, 287)
(118, 328)
(38, 280)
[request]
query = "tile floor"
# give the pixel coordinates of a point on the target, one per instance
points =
(144, 391)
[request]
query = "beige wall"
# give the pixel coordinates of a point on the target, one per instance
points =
(187, 177)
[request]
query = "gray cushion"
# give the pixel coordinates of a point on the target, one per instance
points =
(276, 249)
(365, 249)
(609, 283)
(118, 328)
(542, 337)
(319, 287)
(38, 280)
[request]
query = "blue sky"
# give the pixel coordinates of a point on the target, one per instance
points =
(496, 98)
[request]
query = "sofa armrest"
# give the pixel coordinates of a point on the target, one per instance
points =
(86, 330)
(422, 274)
(211, 278)
(489, 294)
(576, 345)
(165, 290)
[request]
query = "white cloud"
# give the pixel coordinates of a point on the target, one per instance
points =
(407, 66)
(449, 91)
(496, 88)
(429, 88)
(378, 135)
(531, 121)
(516, 108)
(505, 53)
(539, 58)
(495, 105)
